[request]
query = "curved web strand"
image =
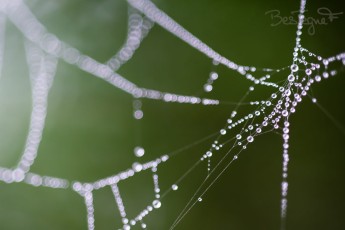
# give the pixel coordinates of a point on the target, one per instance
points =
(2, 40)
(35, 32)
(42, 71)
(158, 16)
(138, 29)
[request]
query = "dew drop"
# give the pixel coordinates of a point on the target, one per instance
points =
(174, 187)
(294, 68)
(285, 113)
(223, 131)
(138, 114)
(139, 151)
(214, 75)
(291, 78)
(250, 138)
(156, 204)
(208, 88)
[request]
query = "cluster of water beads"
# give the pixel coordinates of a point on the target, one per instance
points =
(248, 73)
(283, 108)
(156, 187)
(230, 125)
(209, 85)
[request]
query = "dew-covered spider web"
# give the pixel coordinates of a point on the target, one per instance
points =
(252, 115)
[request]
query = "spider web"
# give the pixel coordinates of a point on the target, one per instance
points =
(268, 115)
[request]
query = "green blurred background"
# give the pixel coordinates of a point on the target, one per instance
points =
(90, 132)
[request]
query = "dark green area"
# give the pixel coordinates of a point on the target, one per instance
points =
(90, 132)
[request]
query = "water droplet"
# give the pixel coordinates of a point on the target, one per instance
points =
(223, 131)
(174, 187)
(238, 136)
(250, 138)
(137, 167)
(294, 68)
(285, 113)
(139, 151)
(288, 92)
(291, 78)
(208, 88)
(156, 204)
(214, 75)
(199, 199)
(138, 114)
